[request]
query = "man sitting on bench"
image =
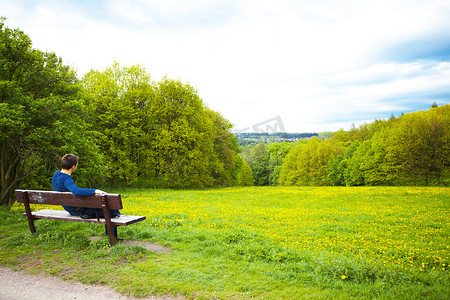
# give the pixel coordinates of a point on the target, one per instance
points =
(62, 182)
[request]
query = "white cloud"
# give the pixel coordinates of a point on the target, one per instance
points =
(314, 63)
(130, 10)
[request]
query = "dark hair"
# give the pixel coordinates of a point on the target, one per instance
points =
(68, 161)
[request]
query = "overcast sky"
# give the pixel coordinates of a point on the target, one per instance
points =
(301, 66)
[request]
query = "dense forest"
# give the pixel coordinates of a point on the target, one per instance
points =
(413, 149)
(129, 130)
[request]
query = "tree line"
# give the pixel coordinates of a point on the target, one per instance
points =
(126, 128)
(413, 149)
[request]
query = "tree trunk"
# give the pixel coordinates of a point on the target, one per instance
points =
(10, 174)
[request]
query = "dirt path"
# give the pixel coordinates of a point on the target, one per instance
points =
(17, 285)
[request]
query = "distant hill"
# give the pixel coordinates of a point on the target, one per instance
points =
(245, 138)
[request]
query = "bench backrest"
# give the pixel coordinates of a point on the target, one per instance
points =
(68, 199)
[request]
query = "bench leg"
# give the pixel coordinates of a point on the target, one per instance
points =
(110, 232)
(30, 218)
(109, 226)
(114, 229)
(31, 224)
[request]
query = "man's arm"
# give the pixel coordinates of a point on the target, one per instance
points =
(81, 192)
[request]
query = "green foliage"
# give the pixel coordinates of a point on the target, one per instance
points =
(41, 116)
(258, 160)
(353, 174)
(335, 170)
(159, 134)
(183, 149)
(307, 165)
(338, 169)
(245, 176)
(126, 129)
(409, 150)
(117, 98)
(374, 165)
(265, 160)
(418, 147)
(288, 169)
(277, 153)
(226, 149)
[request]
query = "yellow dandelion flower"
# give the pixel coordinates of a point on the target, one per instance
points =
(343, 277)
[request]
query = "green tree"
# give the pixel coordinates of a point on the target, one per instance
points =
(313, 160)
(335, 170)
(119, 98)
(159, 134)
(353, 174)
(290, 169)
(183, 140)
(226, 149)
(307, 164)
(41, 117)
(258, 159)
(342, 137)
(368, 164)
(277, 153)
(244, 175)
(375, 167)
(418, 148)
(362, 133)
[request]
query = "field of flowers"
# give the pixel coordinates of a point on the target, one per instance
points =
(287, 242)
(360, 235)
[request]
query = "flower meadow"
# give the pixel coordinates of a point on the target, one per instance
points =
(355, 234)
(291, 242)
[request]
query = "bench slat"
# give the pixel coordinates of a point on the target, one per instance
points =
(68, 199)
(63, 215)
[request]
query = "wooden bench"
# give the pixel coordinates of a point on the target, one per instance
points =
(105, 202)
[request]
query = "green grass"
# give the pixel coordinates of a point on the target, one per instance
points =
(257, 242)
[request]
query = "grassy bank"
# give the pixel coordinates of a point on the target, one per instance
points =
(263, 242)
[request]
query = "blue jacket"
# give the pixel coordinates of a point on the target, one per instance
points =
(64, 183)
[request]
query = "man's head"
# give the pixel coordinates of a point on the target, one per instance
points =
(68, 161)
